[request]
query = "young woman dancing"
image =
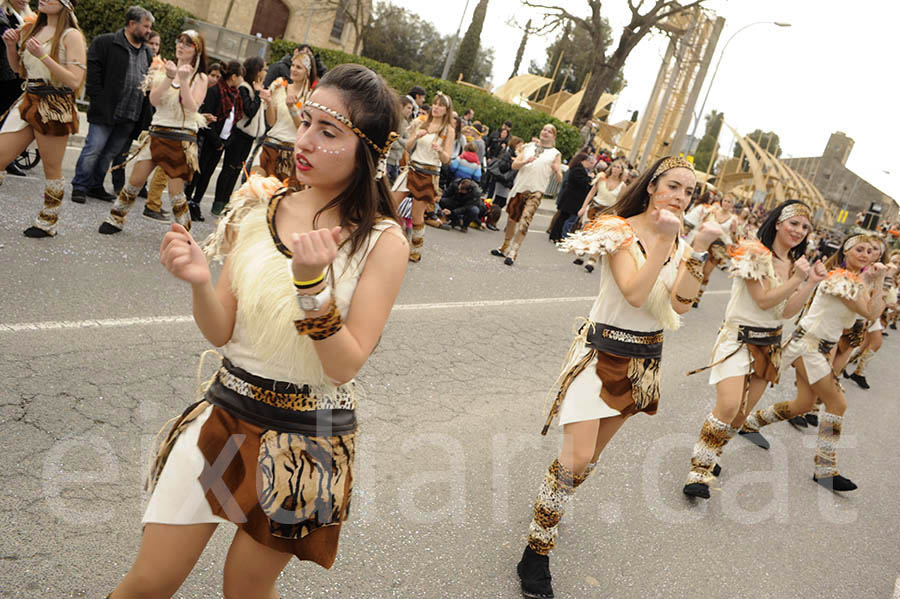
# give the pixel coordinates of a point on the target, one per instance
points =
(649, 277)
(306, 289)
(772, 282)
(723, 215)
(430, 145)
(176, 90)
(49, 53)
(283, 101)
(838, 300)
(603, 194)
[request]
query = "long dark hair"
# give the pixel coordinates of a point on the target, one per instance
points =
(252, 67)
(375, 110)
(766, 232)
(635, 198)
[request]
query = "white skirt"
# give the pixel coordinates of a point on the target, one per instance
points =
(179, 497)
(740, 364)
(14, 121)
(816, 363)
(582, 401)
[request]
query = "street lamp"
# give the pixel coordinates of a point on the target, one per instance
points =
(716, 70)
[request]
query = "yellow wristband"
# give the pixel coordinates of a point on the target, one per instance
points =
(43, 57)
(310, 283)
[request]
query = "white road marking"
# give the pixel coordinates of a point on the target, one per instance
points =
(53, 325)
(897, 588)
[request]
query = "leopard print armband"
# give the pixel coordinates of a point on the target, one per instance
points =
(321, 327)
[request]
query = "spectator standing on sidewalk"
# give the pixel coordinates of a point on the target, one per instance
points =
(223, 101)
(245, 132)
(12, 16)
(117, 64)
(117, 173)
(417, 95)
(399, 146)
(49, 53)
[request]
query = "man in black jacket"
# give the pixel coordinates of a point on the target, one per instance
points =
(461, 203)
(117, 64)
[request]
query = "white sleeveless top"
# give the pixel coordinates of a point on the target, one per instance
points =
(255, 126)
(753, 261)
(283, 129)
(606, 196)
(424, 153)
(828, 315)
(170, 112)
(264, 340)
(536, 175)
(37, 69)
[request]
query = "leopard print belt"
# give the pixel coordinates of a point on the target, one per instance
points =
(281, 406)
(624, 342)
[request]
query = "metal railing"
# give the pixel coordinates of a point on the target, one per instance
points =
(225, 44)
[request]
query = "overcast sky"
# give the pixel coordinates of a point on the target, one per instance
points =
(833, 70)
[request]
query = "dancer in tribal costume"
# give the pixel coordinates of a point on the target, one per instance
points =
(723, 215)
(49, 53)
(648, 277)
(772, 282)
(429, 146)
(838, 300)
(308, 282)
(176, 90)
(873, 339)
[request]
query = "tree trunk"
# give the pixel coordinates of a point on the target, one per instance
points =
(604, 73)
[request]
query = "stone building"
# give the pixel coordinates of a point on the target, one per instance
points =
(838, 184)
(323, 23)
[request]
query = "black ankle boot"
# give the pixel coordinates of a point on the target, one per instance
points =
(534, 573)
(836, 483)
(196, 215)
(697, 490)
(756, 438)
(859, 380)
(812, 419)
(798, 422)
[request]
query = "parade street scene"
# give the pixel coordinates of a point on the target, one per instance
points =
(478, 299)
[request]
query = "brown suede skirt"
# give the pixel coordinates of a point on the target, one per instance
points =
(624, 378)
(277, 160)
(765, 360)
(62, 105)
(524, 204)
(421, 186)
(169, 155)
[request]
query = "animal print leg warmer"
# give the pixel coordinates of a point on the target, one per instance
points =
(863, 358)
(417, 243)
(555, 493)
(760, 418)
(122, 205)
(512, 250)
(47, 218)
(714, 434)
(180, 211)
(826, 445)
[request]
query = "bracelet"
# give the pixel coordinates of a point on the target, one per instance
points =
(695, 268)
(43, 57)
(321, 327)
(684, 300)
(311, 283)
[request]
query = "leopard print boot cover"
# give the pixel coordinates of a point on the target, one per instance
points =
(48, 217)
(714, 434)
(760, 418)
(830, 426)
(180, 211)
(122, 205)
(554, 495)
(417, 243)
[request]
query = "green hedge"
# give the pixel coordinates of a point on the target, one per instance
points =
(488, 109)
(96, 17)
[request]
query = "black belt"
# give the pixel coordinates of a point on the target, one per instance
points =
(623, 342)
(173, 133)
(762, 336)
(425, 169)
(306, 422)
(40, 87)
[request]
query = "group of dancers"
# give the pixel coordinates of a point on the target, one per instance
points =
(650, 275)
(49, 53)
(309, 279)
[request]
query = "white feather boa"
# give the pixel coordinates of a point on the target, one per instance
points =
(752, 260)
(843, 283)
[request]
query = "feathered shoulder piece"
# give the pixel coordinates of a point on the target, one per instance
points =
(155, 74)
(750, 259)
(257, 191)
(843, 283)
(605, 234)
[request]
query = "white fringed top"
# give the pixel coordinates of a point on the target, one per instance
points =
(828, 316)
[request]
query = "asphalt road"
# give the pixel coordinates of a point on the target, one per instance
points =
(450, 457)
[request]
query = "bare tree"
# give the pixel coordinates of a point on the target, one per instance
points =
(355, 13)
(606, 66)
